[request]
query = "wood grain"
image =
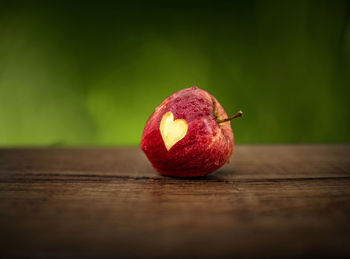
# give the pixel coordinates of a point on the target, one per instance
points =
(270, 201)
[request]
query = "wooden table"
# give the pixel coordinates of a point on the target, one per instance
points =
(270, 201)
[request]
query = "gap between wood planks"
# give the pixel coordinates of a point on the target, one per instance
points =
(30, 177)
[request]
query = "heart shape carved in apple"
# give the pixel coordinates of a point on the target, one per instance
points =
(172, 131)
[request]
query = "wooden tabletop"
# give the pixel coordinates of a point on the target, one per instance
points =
(270, 201)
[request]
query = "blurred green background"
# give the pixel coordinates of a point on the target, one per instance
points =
(91, 73)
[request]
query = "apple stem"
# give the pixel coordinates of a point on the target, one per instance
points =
(238, 114)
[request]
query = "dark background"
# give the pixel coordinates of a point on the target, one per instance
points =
(91, 72)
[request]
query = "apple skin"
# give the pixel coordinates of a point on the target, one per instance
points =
(207, 144)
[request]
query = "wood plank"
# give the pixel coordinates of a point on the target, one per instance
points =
(109, 202)
(248, 162)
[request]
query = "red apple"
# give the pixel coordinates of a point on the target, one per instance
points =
(188, 134)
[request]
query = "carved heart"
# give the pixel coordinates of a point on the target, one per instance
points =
(172, 131)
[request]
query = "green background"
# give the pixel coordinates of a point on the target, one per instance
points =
(91, 73)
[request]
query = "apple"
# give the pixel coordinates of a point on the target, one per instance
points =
(188, 134)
